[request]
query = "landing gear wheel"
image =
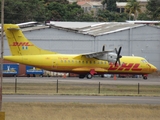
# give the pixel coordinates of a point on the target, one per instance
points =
(89, 76)
(81, 76)
(145, 77)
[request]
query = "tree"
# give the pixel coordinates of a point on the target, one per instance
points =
(65, 12)
(153, 8)
(121, 0)
(73, 12)
(111, 5)
(133, 8)
(143, 16)
(105, 15)
(17, 11)
(60, 1)
(57, 11)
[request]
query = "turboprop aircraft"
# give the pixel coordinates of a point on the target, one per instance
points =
(86, 65)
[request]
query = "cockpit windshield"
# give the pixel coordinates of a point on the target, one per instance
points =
(144, 61)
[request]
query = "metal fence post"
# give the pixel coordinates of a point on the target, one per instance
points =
(57, 85)
(99, 88)
(15, 84)
(138, 88)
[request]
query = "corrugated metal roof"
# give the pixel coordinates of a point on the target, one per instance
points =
(34, 28)
(89, 28)
(95, 28)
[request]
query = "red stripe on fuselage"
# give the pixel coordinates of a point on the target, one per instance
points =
(21, 44)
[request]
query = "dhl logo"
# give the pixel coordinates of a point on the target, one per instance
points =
(21, 44)
(125, 67)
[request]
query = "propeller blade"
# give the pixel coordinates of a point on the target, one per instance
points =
(119, 51)
(116, 63)
(103, 48)
(118, 56)
(116, 50)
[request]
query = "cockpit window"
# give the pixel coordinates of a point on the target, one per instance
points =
(144, 61)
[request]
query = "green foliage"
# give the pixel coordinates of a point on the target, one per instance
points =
(143, 16)
(111, 5)
(121, 0)
(153, 8)
(64, 12)
(59, 1)
(17, 11)
(106, 16)
(133, 8)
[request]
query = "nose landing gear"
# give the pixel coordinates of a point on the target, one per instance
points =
(144, 77)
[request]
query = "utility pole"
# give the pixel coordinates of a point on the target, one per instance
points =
(1, 68)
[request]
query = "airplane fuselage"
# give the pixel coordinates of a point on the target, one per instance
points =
(83, 65)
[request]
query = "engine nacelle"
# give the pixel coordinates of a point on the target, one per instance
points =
(110, 57)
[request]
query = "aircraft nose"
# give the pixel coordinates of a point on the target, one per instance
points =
(154, 69)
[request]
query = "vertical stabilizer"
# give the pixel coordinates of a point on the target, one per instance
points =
(19, 44)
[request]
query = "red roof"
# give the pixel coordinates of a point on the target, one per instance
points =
(82, 2)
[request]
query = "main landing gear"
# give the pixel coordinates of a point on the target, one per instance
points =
(88, 76)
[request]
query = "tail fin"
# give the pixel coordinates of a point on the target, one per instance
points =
(19, 44)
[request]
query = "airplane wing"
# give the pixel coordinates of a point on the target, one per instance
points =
(96, 54)
(85, 69)
(109, 55)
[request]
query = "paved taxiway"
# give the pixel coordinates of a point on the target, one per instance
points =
(83, 99)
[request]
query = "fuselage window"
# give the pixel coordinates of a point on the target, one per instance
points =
(83, 62)
(68, 61)
(90, 62)
(86, 62)
(72, 61)
(61, 60)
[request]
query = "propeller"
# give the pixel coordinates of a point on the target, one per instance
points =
(118, 56)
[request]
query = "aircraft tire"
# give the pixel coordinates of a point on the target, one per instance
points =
(145, 77)
(81, 76)
(89, 76)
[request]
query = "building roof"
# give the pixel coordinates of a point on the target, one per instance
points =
(92, 3)
(121, 4)
(81, 2)
(87, 28)
(142, 0)
(94, 28)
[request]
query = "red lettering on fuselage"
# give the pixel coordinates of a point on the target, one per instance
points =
(135, 67)
(21, 44)
(125, 67)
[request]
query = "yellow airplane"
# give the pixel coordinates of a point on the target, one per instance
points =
(86, 65)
